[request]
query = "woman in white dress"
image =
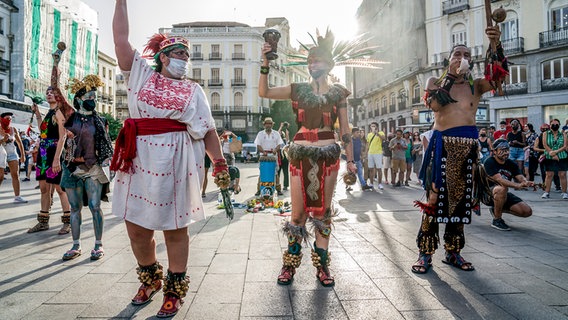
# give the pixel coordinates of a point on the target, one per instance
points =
(159, 158)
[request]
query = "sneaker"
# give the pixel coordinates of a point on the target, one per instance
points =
(406, 183)
(348, 188)
(398, 184)
(19, 199)
(26, 179)
(381, 186)
(492, 211)
(367, 187)
(565, 196)
(545, 195)
(500, 224)
(558, 190)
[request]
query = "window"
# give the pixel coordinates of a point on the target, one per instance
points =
(239, 124)
(238, 48)
(416, 91)
(214, 48)
(559, 18)
(517, 74)
(110, 74)
(104, 72)
(196, 48)
(1, 25)
(238, 73)
(509, 29)
(238, 99)
(392, 99)
(459, 34)
(196, 74)
(215, 74)
(215, 100)
(554, 69)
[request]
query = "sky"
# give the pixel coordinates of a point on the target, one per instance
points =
(146, 17)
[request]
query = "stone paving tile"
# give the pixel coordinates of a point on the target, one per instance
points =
(265, 250)
(203, 241)
(356, 285)
(118, 263)
(379, 266)
(17, 305)
(265, 299)
(115, 302)
(204, 310)
(538, 269)
(221, 288)
(316, 304)
(201, 257)
(482, 283)
(467, 304)
(267, 318)
(58, 279)
(522, 306)
(196, 276)
(371, 309)
(95, 284)
(406, 295)
(224, 263)
(56, 312)
(428, 315)
(539, 289)
(263, 270)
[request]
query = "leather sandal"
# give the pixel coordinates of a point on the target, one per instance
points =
(142, 297)
(325, 277)
(170, 307)
(286, 276)
(71, 254)
(423, 264)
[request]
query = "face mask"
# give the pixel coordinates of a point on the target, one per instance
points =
(515, 127)
(316, 74)
(503, 129)
(177, 68)
(6, 123)
(483, 135)
(89, 105)
(555, 127)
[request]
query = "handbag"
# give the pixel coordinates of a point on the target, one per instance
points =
(236, 146)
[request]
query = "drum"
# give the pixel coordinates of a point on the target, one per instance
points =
(268, 166)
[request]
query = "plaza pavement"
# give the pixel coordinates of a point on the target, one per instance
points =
(520, 274)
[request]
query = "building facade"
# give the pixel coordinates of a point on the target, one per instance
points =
(225, 61)
(38, 26)
(107, 73)
(121, 98)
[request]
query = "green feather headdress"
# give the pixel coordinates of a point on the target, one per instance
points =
(347, 53)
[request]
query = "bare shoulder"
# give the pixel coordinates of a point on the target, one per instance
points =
(481, 85)
(431, 83)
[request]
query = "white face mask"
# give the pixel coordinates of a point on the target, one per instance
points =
(177, 68)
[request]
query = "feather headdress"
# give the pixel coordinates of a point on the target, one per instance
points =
(160, 42)
(348, 53)
(88, 83)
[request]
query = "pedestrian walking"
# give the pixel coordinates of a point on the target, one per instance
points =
(375, 140)
(10, 143)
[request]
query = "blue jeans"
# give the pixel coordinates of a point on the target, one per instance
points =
(359, 166)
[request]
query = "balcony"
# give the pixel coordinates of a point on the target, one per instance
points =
(201, 82)
(402, 105)
(384, 110)
(512, 46)
(416, 100)
(376, 112)
(238, 82)
(514, 88)
(216, 108)
(553, 38)
(453, 6)
(215, 56)
(215, 83)
(238, 56)
(4, 65)
(392, 108)
(196, 56)
(554, 84)
(238, 109)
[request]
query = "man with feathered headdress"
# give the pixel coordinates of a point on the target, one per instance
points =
(313, 153)
(159, 159)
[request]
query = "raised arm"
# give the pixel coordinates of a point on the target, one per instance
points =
(277, 93)
(122, 47)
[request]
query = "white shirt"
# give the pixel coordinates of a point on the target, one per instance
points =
(268, 141)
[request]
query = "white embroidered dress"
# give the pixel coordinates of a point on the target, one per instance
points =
(164, 192)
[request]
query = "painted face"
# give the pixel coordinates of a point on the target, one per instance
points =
(50, 96)
(502, 153)
(317, 67)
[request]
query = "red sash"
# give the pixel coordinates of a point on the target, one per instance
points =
(125, 149)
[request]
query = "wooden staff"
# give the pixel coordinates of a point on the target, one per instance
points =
(489, 17)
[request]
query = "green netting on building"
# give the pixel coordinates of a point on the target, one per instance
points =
(88, 56)
(34, 46)
(73, 50)
(56, 28)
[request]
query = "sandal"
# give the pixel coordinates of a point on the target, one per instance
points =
(423, 264)
(71, 254)
(286, 276)
(456, 260)
(324, 277)
(97, 254)
(142, 297)
(65, 229)
(170, 307)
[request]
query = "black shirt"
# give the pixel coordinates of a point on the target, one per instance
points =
(507, 170)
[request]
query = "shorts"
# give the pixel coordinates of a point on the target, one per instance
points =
(398, 165)
(509, 202)
(517, 154)
(375, 161)
(409, 161)
(556, 165)
(207, 162)
(386, 162)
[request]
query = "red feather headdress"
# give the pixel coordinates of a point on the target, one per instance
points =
(159, 42)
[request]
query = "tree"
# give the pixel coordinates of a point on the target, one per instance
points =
(114, 125)
(281, 111)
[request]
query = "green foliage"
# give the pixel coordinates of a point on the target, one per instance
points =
(281, 111)
(114, 125)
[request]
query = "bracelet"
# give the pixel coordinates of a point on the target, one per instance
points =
(264, 70)
(351, 161)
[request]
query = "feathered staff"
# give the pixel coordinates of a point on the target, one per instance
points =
(496, 63)
(347, 53)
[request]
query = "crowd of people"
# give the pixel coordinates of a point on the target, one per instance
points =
(170, 142)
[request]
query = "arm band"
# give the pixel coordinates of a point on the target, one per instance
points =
(442, 94)
(264, 70)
